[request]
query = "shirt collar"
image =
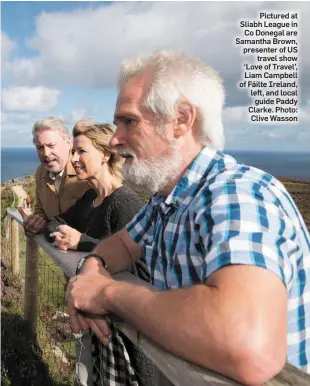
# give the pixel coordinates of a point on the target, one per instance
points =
(193, 176)
(53, 176)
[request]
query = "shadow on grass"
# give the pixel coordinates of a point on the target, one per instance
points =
(21, 359)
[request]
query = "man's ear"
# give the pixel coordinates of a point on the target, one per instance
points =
(69, 140)
(185, 119)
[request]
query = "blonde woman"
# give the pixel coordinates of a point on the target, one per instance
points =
(100, 212)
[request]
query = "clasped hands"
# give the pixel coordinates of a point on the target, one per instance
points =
(88, 292)
(66, 237)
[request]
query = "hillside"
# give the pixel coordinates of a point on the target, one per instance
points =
(299, 190)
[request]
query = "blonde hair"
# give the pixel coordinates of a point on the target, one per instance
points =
(100, 135)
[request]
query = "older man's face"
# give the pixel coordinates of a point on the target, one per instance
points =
(53, 149)
(136, 127)
(149, 156)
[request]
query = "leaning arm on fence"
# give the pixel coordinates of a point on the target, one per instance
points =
(119, 252)
(214, 325)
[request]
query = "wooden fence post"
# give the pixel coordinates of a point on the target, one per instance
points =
(7, 225)
(31, 283)
(15, 247)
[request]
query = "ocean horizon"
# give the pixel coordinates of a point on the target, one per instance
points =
(17, 163)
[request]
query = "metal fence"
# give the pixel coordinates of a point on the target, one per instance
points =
(53, 328)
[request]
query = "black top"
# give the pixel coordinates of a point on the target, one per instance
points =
(95, 224)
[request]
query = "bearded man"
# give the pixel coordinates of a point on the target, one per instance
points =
(227, 248)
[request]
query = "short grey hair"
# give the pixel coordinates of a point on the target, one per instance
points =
(177, 77)
(50, 123)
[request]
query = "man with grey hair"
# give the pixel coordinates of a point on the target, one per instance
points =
(57, 189)
(57, 186)
(227, 248)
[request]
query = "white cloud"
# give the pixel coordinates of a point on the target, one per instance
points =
(86, 47)
(304, 115)
(29, 98)
(7, 47)
(13, 117)
(238, 114)
(74, 116)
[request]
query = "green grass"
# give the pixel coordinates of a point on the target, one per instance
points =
(7, 200)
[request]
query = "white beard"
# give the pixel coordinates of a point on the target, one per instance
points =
(156, 173)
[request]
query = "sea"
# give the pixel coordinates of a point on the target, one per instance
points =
(18, 163)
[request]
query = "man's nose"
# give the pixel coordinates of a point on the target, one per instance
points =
(117, 138)
(46, 151)
(114, 141)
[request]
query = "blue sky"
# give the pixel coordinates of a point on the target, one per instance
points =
(62, 58)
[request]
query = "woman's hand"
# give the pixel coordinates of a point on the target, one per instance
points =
(66, 237)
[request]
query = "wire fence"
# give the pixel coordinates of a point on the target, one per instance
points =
(55, 339)
(54, 333)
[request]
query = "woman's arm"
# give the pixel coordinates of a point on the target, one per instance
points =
(52, 226)
(87, 243)
(115, 214)
(71, 216)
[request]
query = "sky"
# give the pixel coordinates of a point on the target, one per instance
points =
(62, 59)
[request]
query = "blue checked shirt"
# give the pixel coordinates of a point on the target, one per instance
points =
(222, 213)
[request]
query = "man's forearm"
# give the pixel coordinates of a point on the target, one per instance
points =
(116, 252)
(214, 327)
(177, 321)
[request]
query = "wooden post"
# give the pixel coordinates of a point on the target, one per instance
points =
(15, 247)
(31, 283)
(7, 226)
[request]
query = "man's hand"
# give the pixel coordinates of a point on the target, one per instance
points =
(101, 329)
(33, 223)
(66, 237)
(86, 292)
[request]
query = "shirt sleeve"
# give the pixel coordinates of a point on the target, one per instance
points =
(141, 227)
(243, 223)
